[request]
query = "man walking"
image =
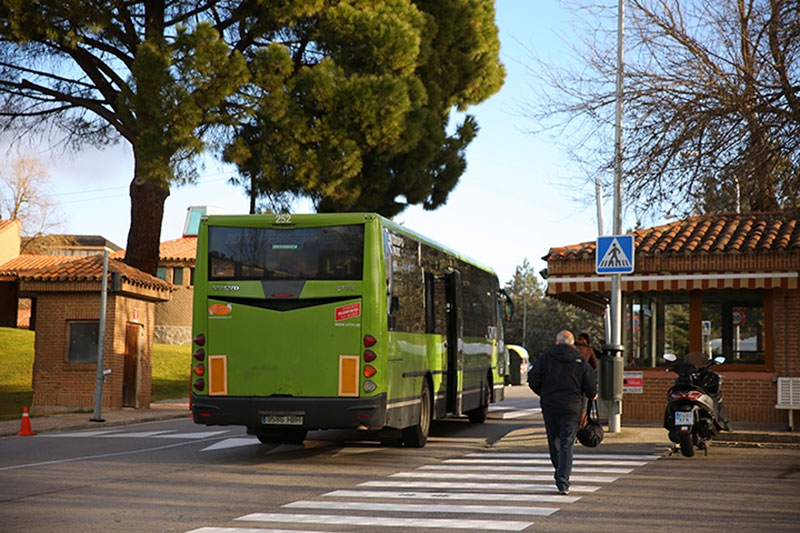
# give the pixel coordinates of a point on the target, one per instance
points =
(563, 379)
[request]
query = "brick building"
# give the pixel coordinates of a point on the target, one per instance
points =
(66, 322)
(722, 284)
(65, 313)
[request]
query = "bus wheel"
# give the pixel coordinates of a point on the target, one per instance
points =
(417, 435)
(478, 416)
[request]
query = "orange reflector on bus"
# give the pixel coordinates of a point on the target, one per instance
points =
(348, 375)
(217, 375)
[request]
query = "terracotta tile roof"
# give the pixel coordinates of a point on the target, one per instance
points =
(32, 262)
(747, 233)
(91, 269)
(182, 249)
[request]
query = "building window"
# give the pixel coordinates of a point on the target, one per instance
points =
(191, 277)
(177, 276)
(731, 323)
(82, 341)
(161, 273)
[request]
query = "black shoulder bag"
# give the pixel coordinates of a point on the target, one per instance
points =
(592, 433)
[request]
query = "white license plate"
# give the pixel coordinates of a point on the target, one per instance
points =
(684, 418)
(282, 420)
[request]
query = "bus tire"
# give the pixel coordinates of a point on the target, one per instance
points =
(479, 415)
(417, 435)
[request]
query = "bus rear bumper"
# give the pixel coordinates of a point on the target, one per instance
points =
(316, 413)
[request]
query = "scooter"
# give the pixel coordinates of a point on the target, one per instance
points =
(695, 411)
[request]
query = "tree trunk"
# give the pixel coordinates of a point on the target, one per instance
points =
(147, 213)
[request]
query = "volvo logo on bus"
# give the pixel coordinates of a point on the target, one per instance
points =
(225, 287)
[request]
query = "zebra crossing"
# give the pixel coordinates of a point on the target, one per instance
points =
(482, 491)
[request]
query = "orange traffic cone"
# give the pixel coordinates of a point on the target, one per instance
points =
(25, 428)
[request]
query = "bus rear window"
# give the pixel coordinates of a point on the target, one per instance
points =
(324, 253)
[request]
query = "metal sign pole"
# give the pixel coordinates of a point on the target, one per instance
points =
(101, 338)
(615, 406)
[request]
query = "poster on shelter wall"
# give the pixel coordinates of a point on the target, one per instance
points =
(632, 382)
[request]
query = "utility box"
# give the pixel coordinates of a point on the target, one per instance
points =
(612, 366)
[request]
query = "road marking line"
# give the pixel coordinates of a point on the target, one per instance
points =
(501, 477)
(465, 496)
(423, 508)
(98, 456)
(615, 457)
(250, 530)
(475, 486)
(575, 462)
(360, 520)
(231, 443)
(511, 468)
(135, 434)
(192, 436)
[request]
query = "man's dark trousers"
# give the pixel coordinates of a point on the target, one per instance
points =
(561, 432)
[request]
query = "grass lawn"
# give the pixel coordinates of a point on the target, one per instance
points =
(170, 371)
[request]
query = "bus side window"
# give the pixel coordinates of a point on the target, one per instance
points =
(430, 307)
(394, 306)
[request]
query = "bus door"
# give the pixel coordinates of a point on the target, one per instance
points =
(455, 344)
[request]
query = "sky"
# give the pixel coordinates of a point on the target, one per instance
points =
(513, 202)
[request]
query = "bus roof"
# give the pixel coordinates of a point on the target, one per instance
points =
(344, 218)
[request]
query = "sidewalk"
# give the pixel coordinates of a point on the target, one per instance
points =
(645, 437)
(111, 417)
(635, 433)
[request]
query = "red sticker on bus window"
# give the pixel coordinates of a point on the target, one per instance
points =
(348, 311)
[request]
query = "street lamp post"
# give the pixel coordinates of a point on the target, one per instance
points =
(615, 406)
(101, 341)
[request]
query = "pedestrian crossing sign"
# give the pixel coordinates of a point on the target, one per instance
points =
(614, 254)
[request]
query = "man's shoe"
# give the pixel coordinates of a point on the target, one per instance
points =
(564, 492)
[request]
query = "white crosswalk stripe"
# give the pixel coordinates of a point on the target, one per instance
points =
(450, 496)
(419, 499)
(423, 508)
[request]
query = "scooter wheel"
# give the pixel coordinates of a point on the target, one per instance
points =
(687, 446)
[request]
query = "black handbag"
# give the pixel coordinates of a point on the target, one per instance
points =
(592, 433)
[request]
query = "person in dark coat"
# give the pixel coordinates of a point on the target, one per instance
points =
(584, 345)
(562, 379)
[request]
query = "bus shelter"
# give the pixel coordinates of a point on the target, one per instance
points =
(721, 284)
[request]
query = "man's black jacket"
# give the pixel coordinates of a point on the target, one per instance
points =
(563, 380)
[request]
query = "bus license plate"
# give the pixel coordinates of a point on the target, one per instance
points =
(684, 418)
(282, 420)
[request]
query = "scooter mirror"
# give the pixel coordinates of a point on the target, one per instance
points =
(719, 359)
(671, 357)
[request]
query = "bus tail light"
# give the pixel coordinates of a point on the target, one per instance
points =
(199, 384)
(370, 341)
(200, 369)
(369, 371)
(199, 354)
(200, 339)
(369, 386)
(369, 356)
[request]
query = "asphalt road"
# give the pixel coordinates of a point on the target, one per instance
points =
(173, 475)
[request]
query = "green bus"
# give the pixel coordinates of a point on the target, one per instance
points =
(322, 321)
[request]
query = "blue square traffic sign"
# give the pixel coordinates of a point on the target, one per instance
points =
(614, 254)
